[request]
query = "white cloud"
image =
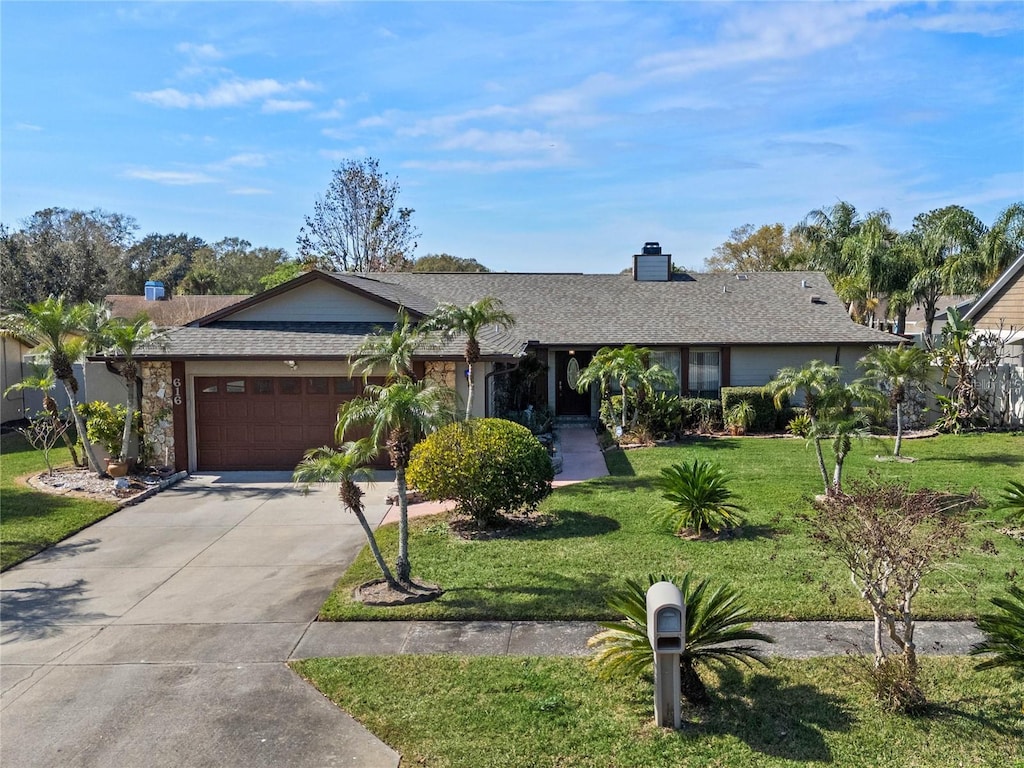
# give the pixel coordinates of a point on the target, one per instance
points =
(27, 127)
(274, 106)
(246, 160)
(337, 133)
(231, 93)
(343, 154)
(203, 51)
(172, 178)
(501, 141)
(250, 191)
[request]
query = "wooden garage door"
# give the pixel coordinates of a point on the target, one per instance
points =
(266, 422)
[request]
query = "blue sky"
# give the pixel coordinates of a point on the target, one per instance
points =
(529, 136)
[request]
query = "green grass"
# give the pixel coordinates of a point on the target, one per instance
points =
(31, 521)
(506, 711)
(603, 531)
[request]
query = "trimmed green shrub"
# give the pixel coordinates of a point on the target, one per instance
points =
(487, 466)
(765, 413)
(662, 414)
(701, 413)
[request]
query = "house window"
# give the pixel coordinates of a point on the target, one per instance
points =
(210, 389)
(291, 386)
(317, 386)
(344, 387)
(705, 372)
(263, 386)
(235, 387)
(667, 358)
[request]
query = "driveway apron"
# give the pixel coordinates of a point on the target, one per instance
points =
(158, 636)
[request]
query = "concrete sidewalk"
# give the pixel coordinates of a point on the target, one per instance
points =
(793, 639)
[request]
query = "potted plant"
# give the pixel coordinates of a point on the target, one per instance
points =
(739, 417)
(103, 424)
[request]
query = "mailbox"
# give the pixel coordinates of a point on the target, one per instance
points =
(666, 622)
(666, 630)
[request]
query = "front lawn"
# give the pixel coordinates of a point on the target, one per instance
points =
(509, 712)
(601, 532)
(31, 521)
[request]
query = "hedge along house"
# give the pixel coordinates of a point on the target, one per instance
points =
(255, 384)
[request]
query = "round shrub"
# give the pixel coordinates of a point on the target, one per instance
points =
(486, 465)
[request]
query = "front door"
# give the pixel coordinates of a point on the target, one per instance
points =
(569, 402)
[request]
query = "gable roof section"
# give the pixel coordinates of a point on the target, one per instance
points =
(1010, 275)
(172, 310)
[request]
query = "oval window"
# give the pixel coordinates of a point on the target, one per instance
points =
(572, 372)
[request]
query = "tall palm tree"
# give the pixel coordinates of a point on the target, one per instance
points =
(123, 337)
(42, 378)
(897, 369)
(62, 330)
(716, 619)
(392, 350)
(811, 381)
(346, 467)
(630, 368)
(470, 321)
(946, 246)
(399, 415)
(1003, 242)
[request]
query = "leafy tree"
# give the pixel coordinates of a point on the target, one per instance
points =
(123, 338)
(283, 272)
(630, 368)
(240, 267)
(356, 226)
(485, 465)
(898, 370)
(1004, 633)
(43, 379)
(470, 321)
(890, 538)
(444, 262)
(61, 251)
(167, 258)
(768, 248)
(700, 497)
(399, 415)
(392, 350)
(346, 468)
(56, 327)
(716, 620)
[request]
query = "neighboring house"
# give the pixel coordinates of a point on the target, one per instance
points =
(13, 406)
(253, 385)
(1000, 310)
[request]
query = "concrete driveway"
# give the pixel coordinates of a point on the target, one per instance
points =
(158, 636)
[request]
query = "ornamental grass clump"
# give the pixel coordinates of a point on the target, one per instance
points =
(487, 466)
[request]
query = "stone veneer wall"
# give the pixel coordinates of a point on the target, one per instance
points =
(157, 418)
(442, 372)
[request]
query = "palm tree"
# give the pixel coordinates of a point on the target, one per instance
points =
(123, 337)
(399, 415)
(392, 350)
(1003, 242)
(946, 245)
(716, 619)
(62, 331)
(1004, 633)
(812, 381)
(699, 496)
(826, 230)
(346, 467)
(470, 321)
(628, 366)
(42, 378)
(897, 369)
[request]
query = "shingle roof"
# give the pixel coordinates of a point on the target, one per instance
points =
(782, 308)
(172, 310)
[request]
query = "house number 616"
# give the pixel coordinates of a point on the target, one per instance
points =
(176, 383)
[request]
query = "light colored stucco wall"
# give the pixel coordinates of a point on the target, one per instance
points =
(756, 366)
(321, 302)
(12, 406)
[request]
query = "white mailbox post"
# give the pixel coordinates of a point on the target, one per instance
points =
(666, 629)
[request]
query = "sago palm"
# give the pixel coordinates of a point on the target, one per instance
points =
(1012, 501)
(717, 621)
(700, 497)
(398, 415)
(346, 468)
(1004, 633)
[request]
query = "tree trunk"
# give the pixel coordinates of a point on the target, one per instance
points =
(469, 383)
(690, 684)
(821, 465)
(71, 387)
(899, 428)
(403, 569)
(50, 405)
(372, 541)
(129, 420)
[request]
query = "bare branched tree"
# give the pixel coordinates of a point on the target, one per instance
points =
(356, 226)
